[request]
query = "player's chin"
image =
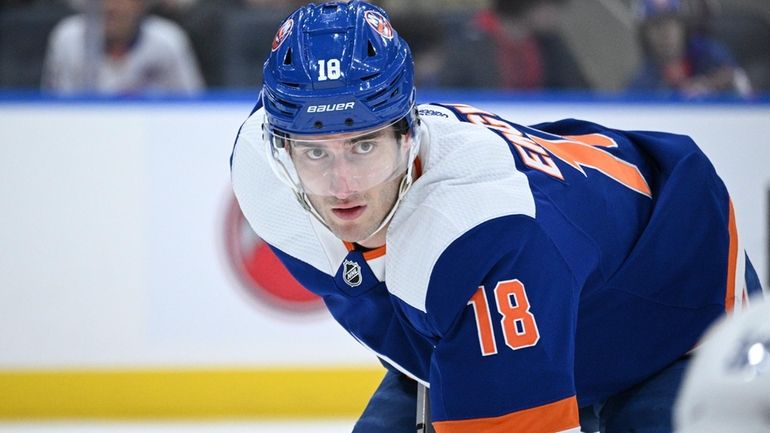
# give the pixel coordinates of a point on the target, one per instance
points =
(349, 232)
(350, 229)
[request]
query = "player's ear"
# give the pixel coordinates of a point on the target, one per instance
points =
(404, 142)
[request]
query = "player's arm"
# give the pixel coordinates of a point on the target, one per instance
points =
(505, 361)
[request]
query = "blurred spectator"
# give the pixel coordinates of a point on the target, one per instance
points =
(171, 9)
(679, 55)
(228, 35)
(518, 46)
(428, 9)
(140, 53)
(286, 5)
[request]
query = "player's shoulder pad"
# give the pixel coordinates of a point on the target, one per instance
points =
(270, 207)
(469, 177)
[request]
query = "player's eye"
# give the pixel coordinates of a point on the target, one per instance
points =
(315, 153)
(364, 147)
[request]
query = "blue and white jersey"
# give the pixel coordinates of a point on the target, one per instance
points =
(529, 270)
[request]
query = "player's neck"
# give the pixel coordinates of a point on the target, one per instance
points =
(376, 240)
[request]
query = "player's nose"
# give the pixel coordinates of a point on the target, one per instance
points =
(343, 179)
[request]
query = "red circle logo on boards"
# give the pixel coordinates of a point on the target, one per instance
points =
(260, 271)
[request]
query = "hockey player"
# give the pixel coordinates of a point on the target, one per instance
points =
(534, 278)
(727, 387)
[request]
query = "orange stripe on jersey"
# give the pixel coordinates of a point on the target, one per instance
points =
(732, 259)
(579, 150)
(594, 139)
(375, 253)
(554, 417)
(368, 255)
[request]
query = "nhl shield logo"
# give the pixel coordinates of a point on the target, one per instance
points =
(351, 272)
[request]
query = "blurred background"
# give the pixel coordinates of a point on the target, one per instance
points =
(591, 45)
(133, 295)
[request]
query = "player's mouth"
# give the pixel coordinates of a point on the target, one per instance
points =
(347, 212)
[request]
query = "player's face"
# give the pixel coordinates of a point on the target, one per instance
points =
(121, 18)
(352, 180)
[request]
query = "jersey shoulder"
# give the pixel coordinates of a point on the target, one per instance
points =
(469, 177)
(68, 31)
(164, 31)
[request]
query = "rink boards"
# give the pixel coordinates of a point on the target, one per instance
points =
(122, 278)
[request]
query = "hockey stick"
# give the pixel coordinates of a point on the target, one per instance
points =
(423, 410)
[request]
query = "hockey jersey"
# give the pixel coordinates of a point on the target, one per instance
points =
(529, 270)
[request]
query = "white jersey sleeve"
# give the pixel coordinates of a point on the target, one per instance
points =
(460, 188)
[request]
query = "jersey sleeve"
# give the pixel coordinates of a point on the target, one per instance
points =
(504, 361)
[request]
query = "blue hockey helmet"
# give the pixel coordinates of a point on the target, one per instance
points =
(337, 67)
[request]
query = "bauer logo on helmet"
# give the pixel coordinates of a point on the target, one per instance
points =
(331, 107)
